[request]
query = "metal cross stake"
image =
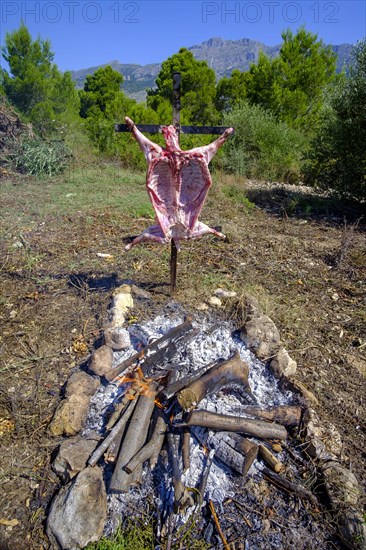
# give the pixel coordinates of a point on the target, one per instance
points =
(154, 129)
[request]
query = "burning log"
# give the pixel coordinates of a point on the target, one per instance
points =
(255, 428)
(286, 415)
(270, 459)
(133, 441)
(182, 498)
(233, 371)
(151, 450)
(157, 346)
(114, 433)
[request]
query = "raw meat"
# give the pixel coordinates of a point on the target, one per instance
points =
(177, 183)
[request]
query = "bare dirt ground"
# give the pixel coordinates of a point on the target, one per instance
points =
(292, 250)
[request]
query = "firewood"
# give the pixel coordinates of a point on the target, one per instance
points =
(133, 441)
(285, 414)
(151, 449)
(270, 459)
(223, 422)
(156, 346)
(186, 439)
(289, 486)
(117, 429)
(182, 498)
(223, 451)
(242, 445)
(233, 371)
(167, 393)
(206, 472)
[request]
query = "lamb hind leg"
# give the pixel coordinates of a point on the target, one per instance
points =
(151, 234)
(201, 229)
(146, 146)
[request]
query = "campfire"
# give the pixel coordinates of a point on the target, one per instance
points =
(189, 425)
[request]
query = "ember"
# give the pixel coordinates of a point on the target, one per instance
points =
(196, 389)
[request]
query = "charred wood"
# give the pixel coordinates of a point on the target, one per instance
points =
(222, 422)
(155, 347)
(233, 371)
(182, 498)
(223, 451)
(242, 445)
(186, 440)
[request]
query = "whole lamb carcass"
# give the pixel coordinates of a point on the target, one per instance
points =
(177, 183)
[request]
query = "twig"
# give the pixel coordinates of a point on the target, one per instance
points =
(113, 434)
(218, 526)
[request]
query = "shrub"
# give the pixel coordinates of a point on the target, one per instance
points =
(262, 147)
(336, 161)
(42, 158)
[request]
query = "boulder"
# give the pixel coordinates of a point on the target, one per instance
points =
(101, 360)
(122, 302)
(81, 383)
(70, 415)
(323, 439)
(79, 511)
(117, 338)
(72, 456)
(344, 494)
(283, 365)
(261, 336)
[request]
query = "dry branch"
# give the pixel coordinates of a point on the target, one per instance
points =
(186, 440)
(284, 483)
(233, 371)
(286, 415)
(182, 498)
(151, 450)
(117, 430)
(133, 441)
(223, 422)
(270, 459)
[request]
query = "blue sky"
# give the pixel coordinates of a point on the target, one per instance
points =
(88, 33)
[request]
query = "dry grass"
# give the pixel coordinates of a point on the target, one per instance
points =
(55, 292)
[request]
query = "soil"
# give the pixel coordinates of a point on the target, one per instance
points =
(290, 249)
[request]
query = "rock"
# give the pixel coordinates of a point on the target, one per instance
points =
(344, 494)
(101, 360)
(72, 456)
(252, 308)
(221, 293)
(323, 439)
(70, 415)
(79, 511)
(117, 338)
(202, 306)
(341, 485)
(122, 302)
(81, 383)
(283, 364)
(214, 301)
(140, 293)
(261, 336)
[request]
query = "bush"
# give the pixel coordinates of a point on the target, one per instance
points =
(336, 161)
(262, 147)
(42, 158)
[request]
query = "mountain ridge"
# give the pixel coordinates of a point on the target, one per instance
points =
(222, 55)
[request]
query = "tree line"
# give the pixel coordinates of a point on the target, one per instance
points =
(295, 118)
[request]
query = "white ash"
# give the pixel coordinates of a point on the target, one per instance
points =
(214, 342)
